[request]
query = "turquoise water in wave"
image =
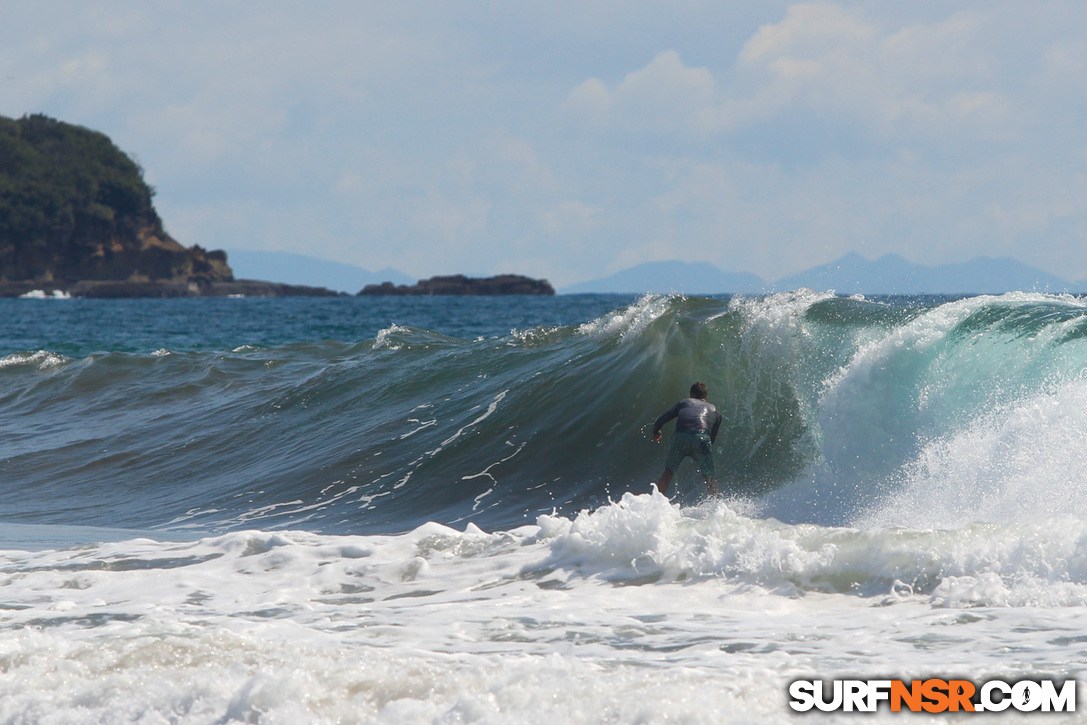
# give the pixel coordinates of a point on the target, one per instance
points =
(438, 509)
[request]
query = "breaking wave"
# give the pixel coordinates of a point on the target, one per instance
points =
(838, 412)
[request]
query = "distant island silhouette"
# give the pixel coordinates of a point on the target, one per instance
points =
(458, 284)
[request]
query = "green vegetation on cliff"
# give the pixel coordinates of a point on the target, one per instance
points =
(75, 207)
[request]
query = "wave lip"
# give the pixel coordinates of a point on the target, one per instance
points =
(634, 319)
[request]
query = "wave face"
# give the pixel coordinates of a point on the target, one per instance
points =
(891, 412)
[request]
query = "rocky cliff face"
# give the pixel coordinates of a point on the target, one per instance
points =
(75, 208)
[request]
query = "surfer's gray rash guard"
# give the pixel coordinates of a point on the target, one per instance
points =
(694, 416)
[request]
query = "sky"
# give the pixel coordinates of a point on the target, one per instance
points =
(572, 140)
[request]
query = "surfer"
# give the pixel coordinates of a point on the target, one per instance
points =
(696, 430)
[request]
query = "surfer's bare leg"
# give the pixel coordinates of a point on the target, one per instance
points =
(665, 481)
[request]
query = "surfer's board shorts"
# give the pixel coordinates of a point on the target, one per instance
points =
(694, 445)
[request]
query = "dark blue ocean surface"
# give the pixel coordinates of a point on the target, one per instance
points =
(374, 415)
(79, 327)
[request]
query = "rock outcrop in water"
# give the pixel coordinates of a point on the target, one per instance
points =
(458, 284)
(77, 217)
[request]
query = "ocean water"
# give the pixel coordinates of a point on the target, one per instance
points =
(439, 510)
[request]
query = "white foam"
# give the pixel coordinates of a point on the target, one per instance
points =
(42, 359)
(637, 611)
(386, 338)
(646, 536)
(780, 311)
(632, 320)
(38, 294)
(533, 336)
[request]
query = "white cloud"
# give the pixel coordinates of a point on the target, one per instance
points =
(812, 30)
(663, 96)
(822, 60)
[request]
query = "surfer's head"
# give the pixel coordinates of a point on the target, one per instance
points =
(700, 391)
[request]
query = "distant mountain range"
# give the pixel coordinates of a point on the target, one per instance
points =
(892, 274)
(851, 274)
(691, 278)
(298, 269)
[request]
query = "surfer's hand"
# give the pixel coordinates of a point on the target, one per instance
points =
(657, 437)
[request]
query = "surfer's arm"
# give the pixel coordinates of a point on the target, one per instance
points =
(716, 427)
(664, 418)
